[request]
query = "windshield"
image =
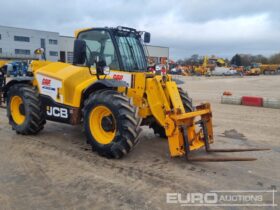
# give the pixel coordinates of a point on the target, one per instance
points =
(131, 51)
(99, 44)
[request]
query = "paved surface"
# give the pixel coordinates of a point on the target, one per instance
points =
(57, 170)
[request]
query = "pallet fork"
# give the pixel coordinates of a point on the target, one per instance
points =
(204, 137)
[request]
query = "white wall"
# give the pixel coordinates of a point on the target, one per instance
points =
(8, 44)
(66, 44)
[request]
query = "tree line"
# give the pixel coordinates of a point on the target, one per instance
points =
(247, 59)
(237, 59)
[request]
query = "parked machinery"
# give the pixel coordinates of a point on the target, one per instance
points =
(270, 68)
(108, 88)
(202, 69)
(253, 70)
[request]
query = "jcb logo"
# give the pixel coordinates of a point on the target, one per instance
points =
(57, 112)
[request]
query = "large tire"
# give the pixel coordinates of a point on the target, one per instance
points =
(187, 102)
(111, 123)
(24, 109)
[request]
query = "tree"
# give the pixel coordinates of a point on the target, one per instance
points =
(274, 59)
(195, 58)
(260, 59)
(246, 60)
(180, 62)
(236, 60)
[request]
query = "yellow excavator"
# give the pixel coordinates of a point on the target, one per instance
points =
(209, 65)
(202, 69)
(109, 89)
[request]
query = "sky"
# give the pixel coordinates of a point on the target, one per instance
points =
(187, 27)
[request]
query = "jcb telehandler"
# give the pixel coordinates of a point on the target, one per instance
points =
(109, 89)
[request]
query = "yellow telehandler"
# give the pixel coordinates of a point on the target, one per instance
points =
(109, 89)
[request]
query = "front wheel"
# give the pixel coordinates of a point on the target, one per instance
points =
(111, 123)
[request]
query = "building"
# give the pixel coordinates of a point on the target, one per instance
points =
(20, 43)
(66, 46)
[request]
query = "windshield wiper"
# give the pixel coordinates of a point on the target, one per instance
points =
(132, 53)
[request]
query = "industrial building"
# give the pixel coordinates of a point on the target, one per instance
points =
(20, 43)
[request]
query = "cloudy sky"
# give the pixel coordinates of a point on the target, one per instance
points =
(205, 27)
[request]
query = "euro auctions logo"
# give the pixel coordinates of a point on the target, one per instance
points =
(192, 198)
(46, 85)
(224, 198)
(46, 82)
(118, 77)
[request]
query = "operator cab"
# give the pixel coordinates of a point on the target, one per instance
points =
(118, 48)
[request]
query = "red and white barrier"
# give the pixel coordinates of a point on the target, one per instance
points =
(252, 101)
(228, 98)
(231, 100)
(271, 103)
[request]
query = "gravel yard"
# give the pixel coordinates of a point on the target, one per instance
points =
(57, 170)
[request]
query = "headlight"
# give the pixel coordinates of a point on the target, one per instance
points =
(106, 70)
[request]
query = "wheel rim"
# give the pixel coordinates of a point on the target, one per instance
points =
(102, 124)
(17, 110)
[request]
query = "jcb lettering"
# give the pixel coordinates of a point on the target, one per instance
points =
(57, 112)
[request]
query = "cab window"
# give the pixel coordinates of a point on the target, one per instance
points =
(100, 46)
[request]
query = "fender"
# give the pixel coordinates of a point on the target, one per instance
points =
(102, 84)
(16, 80)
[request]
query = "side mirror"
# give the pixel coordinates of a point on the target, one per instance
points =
(79, 52)
(147, 37)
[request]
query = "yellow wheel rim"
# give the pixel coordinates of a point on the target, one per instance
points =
(15, 104)
(95, 121)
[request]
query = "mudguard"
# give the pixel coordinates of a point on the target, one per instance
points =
(16, 80)
(103, 84)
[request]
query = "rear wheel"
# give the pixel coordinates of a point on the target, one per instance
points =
(24, 109)
(111, 123)
(187, 102)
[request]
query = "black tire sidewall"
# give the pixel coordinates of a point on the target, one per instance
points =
(17, 91)
(118, 120)
(34, 114)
